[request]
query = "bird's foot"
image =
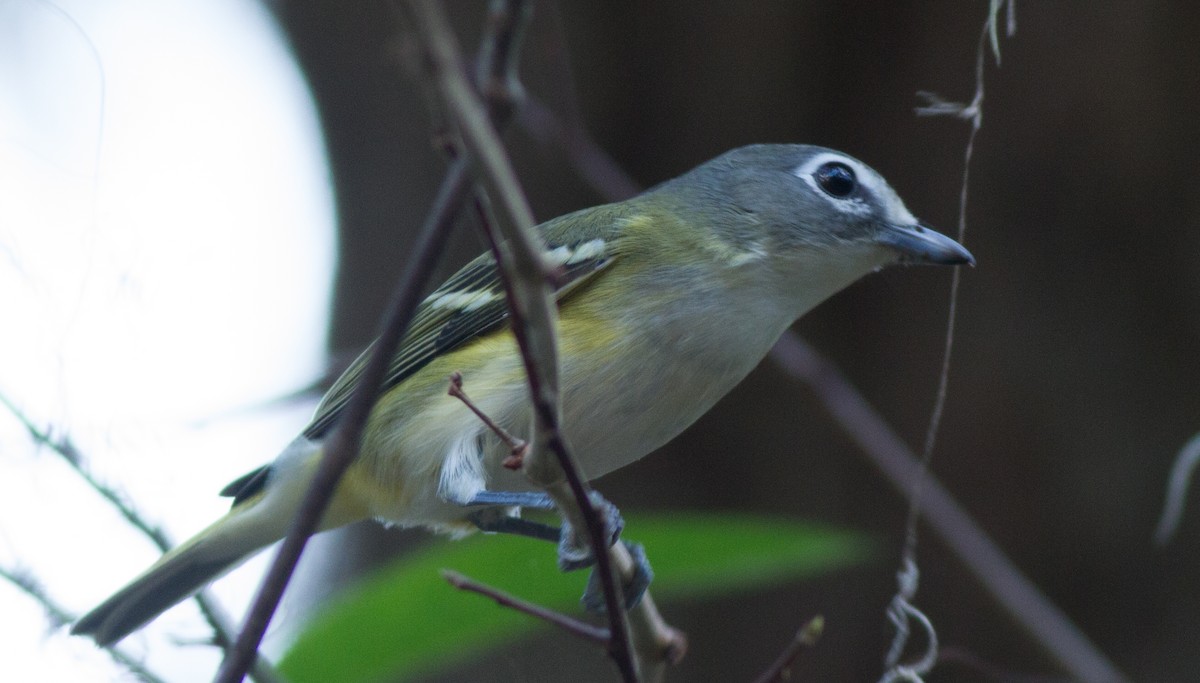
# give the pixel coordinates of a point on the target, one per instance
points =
(632, 590)
(574, 551)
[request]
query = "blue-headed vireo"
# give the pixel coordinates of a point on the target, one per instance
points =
(667, 301)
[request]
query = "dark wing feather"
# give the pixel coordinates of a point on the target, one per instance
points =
(438, 329)
(247, 485)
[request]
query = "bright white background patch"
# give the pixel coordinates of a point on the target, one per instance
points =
(166, 242)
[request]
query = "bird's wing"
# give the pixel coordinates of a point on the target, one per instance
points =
(470, 304)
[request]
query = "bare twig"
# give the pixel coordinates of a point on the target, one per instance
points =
(657, 643)
(60, 617)
(1016, 594)
(548, 129)
(517, 447)
(1177, 486)
(567, 130)
(28, 584)
(806, 637)
(341, 447)
(63, 446)
(901, 612)
(901, 608)
(575, 627)
(981, 669)
(533, 318)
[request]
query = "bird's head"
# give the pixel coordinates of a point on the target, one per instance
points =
(812, 204)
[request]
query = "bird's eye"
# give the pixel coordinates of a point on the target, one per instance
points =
(836, 178)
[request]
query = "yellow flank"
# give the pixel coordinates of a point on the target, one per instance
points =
(406, 438)
(359, 491)
(415, 424)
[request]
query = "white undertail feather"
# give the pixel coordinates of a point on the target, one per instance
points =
(463, 476)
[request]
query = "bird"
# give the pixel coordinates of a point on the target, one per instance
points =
(666, 301)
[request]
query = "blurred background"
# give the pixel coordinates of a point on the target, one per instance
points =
(1074, 379)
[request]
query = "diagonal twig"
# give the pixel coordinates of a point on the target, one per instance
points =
(533, 320)
(63, 446)
(1177, 486)
(341, 447)
(808, 635)
(60, 617)
(902, 609)
(1015, 593)
(583, 152)
(517, 448)
(566, 130)
(575, 627)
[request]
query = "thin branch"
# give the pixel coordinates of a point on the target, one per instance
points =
(60, 617)
(588, 158)
(1016, 594)
(981, 669)
(24, 581)
(533, 314)
(575, 627)
(657, 643)
(594, 165)
(341, 447)
(565, 128)
(1177, 486)
(902, 608)
(805, 638)
(65, 448)
(901, 612)
(517, 448)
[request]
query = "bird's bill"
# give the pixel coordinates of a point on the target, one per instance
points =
(919, 244)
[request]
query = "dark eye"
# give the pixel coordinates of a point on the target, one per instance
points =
(836, 179)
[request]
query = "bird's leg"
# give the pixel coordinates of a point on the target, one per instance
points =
(574, 552)
(525, 499)
(496, 520)
(632, 590)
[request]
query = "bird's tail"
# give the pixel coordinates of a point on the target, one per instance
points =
(247, 528)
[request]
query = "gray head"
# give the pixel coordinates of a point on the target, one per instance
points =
(811, 199)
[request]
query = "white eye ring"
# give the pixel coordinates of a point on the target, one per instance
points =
(862, 176)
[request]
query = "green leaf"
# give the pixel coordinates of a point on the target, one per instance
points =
(406, 620)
